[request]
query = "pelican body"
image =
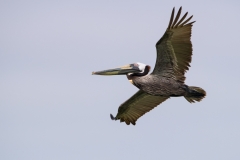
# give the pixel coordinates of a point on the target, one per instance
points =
(174, 51)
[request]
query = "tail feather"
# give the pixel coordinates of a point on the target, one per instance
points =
(195, 94)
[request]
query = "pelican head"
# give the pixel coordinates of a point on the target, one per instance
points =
(138, 69)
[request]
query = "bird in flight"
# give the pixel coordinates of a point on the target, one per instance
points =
(174, 52)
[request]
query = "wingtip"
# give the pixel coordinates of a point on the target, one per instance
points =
(133, 123)
(171, 19)
(112, 117)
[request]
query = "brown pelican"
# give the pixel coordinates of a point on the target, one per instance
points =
(174, 51)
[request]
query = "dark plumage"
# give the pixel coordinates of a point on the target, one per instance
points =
(174, 51)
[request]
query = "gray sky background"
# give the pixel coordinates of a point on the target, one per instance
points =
(52, 108)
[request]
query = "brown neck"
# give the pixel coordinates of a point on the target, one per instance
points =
(145, 72)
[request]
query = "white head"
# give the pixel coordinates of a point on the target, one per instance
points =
(141, 66)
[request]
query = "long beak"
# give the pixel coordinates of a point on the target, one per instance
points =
(130, 68)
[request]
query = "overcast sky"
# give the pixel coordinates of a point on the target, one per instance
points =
(52, 108)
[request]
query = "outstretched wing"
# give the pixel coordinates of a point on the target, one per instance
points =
(174, 49)
(136, 106)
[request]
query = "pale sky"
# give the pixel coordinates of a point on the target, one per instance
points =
(52, 108)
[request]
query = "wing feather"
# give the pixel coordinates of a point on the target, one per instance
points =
(185, 15)
(177, 16)
(136, 106)
(174, 49)
(171, 19)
